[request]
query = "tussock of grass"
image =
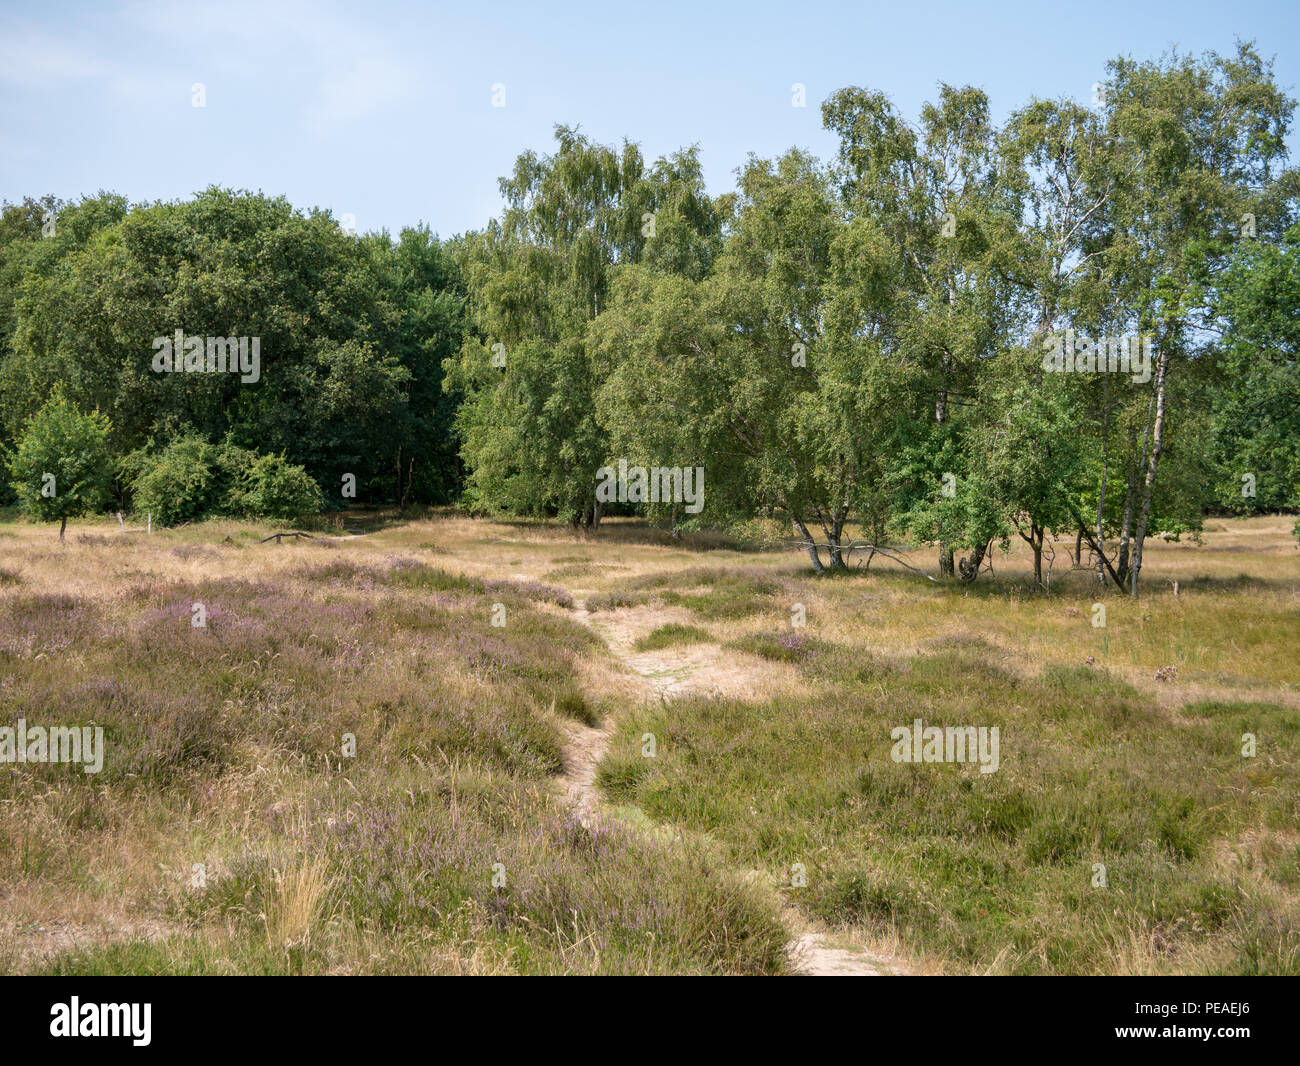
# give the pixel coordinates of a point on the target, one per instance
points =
(412, 574)
(788, 646)
(611, 601)
(725, 602)
(670, 635)
(749, 579)
(573, 571)
(410, 872)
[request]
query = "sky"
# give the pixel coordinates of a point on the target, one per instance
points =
(385, 111)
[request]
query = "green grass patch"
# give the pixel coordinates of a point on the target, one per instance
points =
(788, 646)
(672, 634)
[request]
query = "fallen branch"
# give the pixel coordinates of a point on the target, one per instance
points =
(276, 536)
(888, 553)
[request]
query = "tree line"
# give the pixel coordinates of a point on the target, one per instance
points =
(1079, 323)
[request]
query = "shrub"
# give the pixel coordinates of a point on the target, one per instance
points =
(191, 479)
(611, 601)
(178, 484)
(273, 487)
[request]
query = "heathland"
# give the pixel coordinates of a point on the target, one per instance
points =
(450, 745)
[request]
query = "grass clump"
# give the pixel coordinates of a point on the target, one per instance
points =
(671, 635)
(788, 646)
(612, 601)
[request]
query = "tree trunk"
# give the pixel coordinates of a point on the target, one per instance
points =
(1157, 440)
(946, 566)
(835, 539)
(812, 545)
(1101, 502)
(970, 567)
(1126, 530)
(1103, 564)
(1034, 538)
(62, 526)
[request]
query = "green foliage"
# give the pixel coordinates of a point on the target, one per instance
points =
(671, 635)
(352, 332)
(1257, 408)
(192, 479)
(532, 427)
(62, 467)
(177, 485)
(273, 487)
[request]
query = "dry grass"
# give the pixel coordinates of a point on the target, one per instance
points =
(761, 754)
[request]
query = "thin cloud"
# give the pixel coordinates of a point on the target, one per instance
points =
(37, 59)
(355, 74)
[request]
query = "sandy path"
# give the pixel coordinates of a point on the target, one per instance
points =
(664, 675)
(584, 747)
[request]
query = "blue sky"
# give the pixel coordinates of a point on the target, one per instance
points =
(384, 110)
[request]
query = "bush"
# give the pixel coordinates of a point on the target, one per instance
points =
(191, 479)
(178, 484)
(273, 487)
(611, 601)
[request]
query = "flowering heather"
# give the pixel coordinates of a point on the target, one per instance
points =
(400, 868)
(794, 641)
(412, 863)
(224, 746)
(610, 601)
(532, 590)
(451, 601)
(366, 766)
(788, 645)
(181, 611)
(343, 573)
(194, 551)
(49, 624)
